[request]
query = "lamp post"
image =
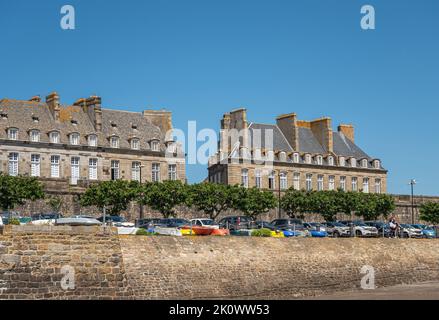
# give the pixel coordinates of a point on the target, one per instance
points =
(279, 212)
(141, 205)
(412, 185)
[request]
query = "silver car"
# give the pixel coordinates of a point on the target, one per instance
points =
(337, 229)
(409, 231)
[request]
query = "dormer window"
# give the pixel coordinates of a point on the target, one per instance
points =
(319, 160)
(34, 135)
(92, 140)
(308, 158)
(330, 161)
(114, 142)
(296, 158)
(270, 155)
(13, 134)
(172, 147)
(342, 161)
(54, 137)
(364, 163)
(257, 154)
(377, 164)
(282, 156)
(353, 162)
(74, 139)
(135, 144)
(155, 146)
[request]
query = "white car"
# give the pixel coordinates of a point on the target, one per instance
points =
(205, 222)
(1, 221)
(361, 229)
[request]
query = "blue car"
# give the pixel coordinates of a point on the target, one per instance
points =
(427, 231)
(316, 230)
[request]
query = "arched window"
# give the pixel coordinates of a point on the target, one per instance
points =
(296, 157)
(308, 158)
(244, 178)
(364, 163)
(283, 180)
(330, 161)
(377, 164)
(353, 162)
(319, 160)
(342, 161)
(282, 156)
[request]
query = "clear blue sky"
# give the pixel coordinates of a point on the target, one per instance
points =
(201, 58)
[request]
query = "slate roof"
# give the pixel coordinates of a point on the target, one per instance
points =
(263, 130)
(20, 115)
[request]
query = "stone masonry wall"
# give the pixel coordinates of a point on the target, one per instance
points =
(32, 258)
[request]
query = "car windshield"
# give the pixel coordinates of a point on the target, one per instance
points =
(360, 224)
(265, 224)
(336, 224)
(207, 222)
(406, 226)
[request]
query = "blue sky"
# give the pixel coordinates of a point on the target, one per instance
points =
(201, 58)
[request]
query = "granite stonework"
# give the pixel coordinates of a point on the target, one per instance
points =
(110, 266)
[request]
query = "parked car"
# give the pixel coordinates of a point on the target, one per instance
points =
(174, 222)
(361, 229)
(383, 228)
(337, 229)
(116, 221)
(236, 223)
(408, 231)
(147, 222)
(204, 222)
(315, 229)
(1, 221)
(286, 223)
(427, 231)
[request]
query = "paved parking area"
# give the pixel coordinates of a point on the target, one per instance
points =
(419, 291)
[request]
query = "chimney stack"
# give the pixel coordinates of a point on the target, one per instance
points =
(159, 118)
(52, 100)
(287, 123)
(322, 130)
(347, 130)
(93, 107)
(35, 99)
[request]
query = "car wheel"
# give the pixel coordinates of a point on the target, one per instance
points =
(336, 234)
(358, 233)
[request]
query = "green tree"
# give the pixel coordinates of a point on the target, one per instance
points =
(16, 191)
(253, 202)
(212, 198)
(114, 196)
(327, 204)
(430, 212)
(164, 196)
(294, 203)
(385, 204)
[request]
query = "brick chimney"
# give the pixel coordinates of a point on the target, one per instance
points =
(35, 99)
(159, 118)
(287, 123)
(322, 131)
(52, 101)
(93, 108)
(347, 130)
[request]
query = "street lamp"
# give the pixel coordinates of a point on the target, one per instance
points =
(279, 212)
(141, 205)
(412, 185)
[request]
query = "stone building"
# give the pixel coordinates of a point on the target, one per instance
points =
(73, 145)
(305, 155)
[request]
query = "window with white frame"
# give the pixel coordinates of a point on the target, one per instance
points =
(342, 161)
(308, 182)
(34, 136)
(54, 137)
(283, 180)
(272, 180)
(343, 183)
(172, 147)
(155, 146)
(308, 158)
(331, 183)
(75, 171)
(135, 144)
(13, 134)
(377, 164)
(320, 182)
(364, 163)
(319, 160)
(330, 161)
(115, 170)
(35, 165)
(296, 158)
(74, 139)
(54, 166)
(244, 178)
(92, 140)
(93, 169)
(155, 172)
(353, 162)
(377, 185)
(366, 185)
(13, 164)
(172, 172)
(114, 142)
(354, 182)
(135, 171)
(258, 179)
(282, 156)
(296, 181)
